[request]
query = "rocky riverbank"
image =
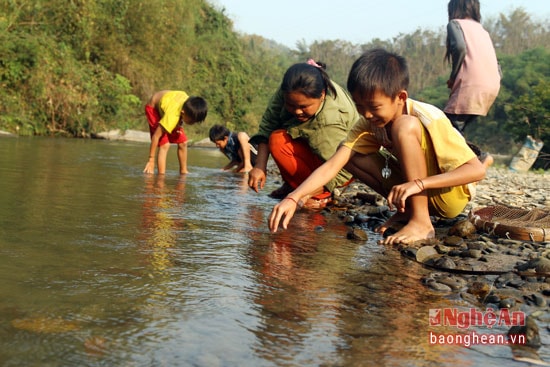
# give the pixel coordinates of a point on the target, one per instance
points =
(485, 270)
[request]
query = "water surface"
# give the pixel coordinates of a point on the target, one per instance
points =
(102, 265)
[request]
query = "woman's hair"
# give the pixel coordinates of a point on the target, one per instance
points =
(218, 132)
(196, 107)
(308, 78)
(378, 70)
(463, 9)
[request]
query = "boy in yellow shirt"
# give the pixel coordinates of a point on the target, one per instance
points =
(425, 166)
(166, 112)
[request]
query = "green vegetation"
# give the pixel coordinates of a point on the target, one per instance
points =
(79, 67)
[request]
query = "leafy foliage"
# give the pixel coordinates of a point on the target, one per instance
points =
(82, 66)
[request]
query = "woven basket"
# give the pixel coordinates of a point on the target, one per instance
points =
(513, 223)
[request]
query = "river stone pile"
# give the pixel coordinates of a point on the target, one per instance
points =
(483, 270)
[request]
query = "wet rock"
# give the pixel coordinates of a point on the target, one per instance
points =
(530, 330)
(437, 286)
(409, 252)
(357, 234)
(462, 229)
(507, 303)
(442, 249)
(474, 254)
(470, 298)
(425, 253)
(453, 241)
(479, 289)
(536, 299)
(348, 219)
(444, 262)
(455, 283)
(540, 264)
(476, 245)
(492, 298)
(515, 283)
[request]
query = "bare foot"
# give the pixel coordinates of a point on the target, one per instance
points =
(397, 218)
(413, 231)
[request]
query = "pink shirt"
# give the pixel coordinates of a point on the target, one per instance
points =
(478, 80)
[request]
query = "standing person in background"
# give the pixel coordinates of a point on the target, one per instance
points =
(166, 112)
(235, 146)
(305, 121)
(475, 75)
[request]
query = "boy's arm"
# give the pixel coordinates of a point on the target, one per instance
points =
(471, 171)
(245, 151)
(150, 166)
(323, 174)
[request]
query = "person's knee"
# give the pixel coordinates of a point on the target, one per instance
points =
(449, 202)
(406, 128)
(164, 147)
(182, 146)
(277, 139)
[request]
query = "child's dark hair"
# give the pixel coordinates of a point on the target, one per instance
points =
(308, 78)
(378, 70)
(196, 108)
(218, 132)
(463, 9)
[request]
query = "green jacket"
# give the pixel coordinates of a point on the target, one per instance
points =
(324, 132)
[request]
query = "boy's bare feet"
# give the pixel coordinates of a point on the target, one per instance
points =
(414, 230)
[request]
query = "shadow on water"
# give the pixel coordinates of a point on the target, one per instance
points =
(102, 265)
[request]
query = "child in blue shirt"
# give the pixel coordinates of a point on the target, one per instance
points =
(234, 146)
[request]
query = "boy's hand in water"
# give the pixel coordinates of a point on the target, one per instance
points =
(282, 211)
(256, 177)
(149, 167)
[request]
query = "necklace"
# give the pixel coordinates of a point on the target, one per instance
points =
(386, 171)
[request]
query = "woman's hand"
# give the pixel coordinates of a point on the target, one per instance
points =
(256, 177)
(282, 211)
(399, 194)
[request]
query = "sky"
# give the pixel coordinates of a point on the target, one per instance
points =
(357, 21)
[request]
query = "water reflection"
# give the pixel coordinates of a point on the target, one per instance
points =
(103, 266)
(300, 277)
(161, 223)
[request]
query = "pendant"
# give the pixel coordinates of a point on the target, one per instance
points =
(386, 171)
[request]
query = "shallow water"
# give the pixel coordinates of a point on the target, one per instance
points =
(104, 266)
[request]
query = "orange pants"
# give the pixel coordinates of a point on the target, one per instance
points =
(295, 159)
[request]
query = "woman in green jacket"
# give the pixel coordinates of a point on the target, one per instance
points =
(302, 127)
